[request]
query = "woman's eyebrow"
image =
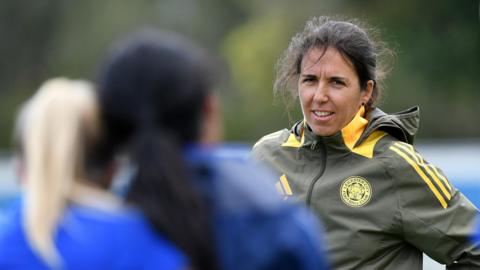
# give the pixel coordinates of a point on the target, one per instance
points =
(340, 78)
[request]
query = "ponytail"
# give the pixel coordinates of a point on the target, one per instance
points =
(53, 128)
(169, 201)
(151, 110)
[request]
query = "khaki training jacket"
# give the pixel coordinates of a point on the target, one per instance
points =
(381, 203)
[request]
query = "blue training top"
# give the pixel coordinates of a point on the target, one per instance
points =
(254, 228)
(91, 238)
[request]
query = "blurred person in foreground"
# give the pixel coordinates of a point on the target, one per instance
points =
(381, 203)
(66, 218)
(159, 110)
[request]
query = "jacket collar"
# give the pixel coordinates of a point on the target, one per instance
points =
(347, 137)
(402, 125)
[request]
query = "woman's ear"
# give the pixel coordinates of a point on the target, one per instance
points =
(211, 130)
(367, 93)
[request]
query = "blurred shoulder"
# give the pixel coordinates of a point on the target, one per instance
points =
(227, 176)
(123, 231)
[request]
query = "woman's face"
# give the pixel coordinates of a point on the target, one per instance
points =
(329, 91)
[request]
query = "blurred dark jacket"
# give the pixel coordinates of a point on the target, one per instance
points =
(254, 227)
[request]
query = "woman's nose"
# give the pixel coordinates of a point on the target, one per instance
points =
(321, 93)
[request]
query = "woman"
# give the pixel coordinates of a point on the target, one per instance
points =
(66, 219)
(381, 203)
(159, 110)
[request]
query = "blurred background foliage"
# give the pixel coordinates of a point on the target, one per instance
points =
(437, 46)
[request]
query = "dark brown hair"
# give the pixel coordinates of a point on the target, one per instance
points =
(356, 42)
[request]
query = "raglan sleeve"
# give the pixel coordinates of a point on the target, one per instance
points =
(436, 217)
(257, 155)
(262, 150)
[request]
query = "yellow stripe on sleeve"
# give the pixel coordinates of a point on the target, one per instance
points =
(422, 175)
(422, 161)
(410, 150)
(286, 186)
(422, 164)
(441, 177)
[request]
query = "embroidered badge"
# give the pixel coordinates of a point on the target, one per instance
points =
(355, 191)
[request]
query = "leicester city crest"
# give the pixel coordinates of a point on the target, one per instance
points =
(355, 191)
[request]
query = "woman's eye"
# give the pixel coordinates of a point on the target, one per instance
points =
(308, 80)
(338, 83)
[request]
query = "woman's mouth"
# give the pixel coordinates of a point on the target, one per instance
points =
(322, 114)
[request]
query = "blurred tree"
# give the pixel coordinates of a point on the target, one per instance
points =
(68, 38)
(251, 51)
(437, 65)
(26, 34)
(437, 43)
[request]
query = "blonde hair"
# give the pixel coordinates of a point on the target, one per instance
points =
(55, 128)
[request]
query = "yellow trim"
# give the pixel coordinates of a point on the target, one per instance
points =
(422, 175)
(292, 141)
(352, 132)
(421, 160)
(442, 177)
(286, 186)
(366, 148)
(422, 164)
(410, 150)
